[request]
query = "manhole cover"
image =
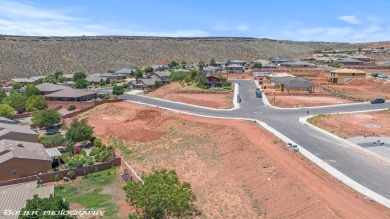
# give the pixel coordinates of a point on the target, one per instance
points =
(372, 126)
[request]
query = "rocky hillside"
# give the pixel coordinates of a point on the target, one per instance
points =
(27, 56)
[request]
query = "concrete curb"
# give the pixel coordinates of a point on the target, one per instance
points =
(303, 120)
(332, 171)
(235, 103)
(329, 169)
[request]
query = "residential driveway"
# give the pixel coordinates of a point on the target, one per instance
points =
(135, 92)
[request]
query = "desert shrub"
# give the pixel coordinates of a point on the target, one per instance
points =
(71, 107)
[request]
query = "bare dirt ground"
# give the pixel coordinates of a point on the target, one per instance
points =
(366, 89)
(305, 101)
(356, 124)
(236, 168)
(290, 101)
(168, 92)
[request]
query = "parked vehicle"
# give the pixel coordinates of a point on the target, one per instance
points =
(295, 148)
(258, 93)
(378, 100)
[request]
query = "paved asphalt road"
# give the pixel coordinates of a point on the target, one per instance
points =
(358, 166)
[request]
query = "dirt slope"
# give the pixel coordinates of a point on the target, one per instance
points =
(169, 92)
(236, 168)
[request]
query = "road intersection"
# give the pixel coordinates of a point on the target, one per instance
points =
(369, 172)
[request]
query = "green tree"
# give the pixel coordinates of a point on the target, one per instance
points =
(212, 62)
(58, 74)
(50, 79)
(137, 70)
(35, 103)
(17, 86)
(81, 84)
(102, 82)
(118, 90)
(79, 131)
(139, 74)
(105, 153)
(6, 111)
(201, 65)
(161, 195)
(334, 65)
(183, 64)
(2, 95)
(200, 78)
(177, 75)
(46, 117)
(31, 90)
(187, 80)
(111, 71)
(173, 64)
(317, 51)
(79, 75)
(17, 101)
(257, 65)
(193, 74)
(149, 69)
(45, 204)
(224, 81)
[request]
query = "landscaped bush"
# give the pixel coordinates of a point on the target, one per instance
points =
(71, 107)
(76, 161)
(52, 140)
(104, 154)
(71, 174)
(101, 152)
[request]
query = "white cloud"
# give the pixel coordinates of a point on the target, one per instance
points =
(17, 18)
(350, 19)
(239, 27)
(370, 29)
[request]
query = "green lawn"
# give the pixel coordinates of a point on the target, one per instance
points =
(87, 192)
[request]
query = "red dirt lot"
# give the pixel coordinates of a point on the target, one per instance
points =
(236, 168)
(290, 101)
(168, 92)
(356, 124)
(305, 101)
(365, 88)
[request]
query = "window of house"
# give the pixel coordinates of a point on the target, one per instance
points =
(13, 172)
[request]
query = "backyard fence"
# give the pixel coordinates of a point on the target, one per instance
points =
(80, 171)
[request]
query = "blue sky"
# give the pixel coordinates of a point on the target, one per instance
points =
(331, 20)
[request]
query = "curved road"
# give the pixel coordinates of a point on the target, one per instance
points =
(358, 166)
